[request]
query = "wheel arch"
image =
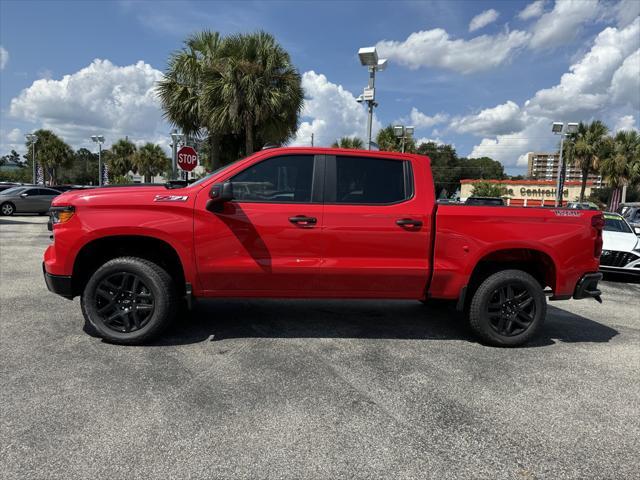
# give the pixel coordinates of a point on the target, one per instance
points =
(98, 251)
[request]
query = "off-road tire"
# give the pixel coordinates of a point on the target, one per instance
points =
(158, 283)
(485, 320)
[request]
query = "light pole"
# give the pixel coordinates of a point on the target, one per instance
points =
(403, 133)
(559, 128)
(32, 138)
(175, 138)
(99, 139)
(369, 58)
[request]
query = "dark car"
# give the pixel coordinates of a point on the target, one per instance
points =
(26, 199)
(490, 201)
(7, 185)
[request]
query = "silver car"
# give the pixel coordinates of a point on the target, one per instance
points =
(29, 199)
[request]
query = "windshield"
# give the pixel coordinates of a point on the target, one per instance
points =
(13, 191)
(614, 223)
(215, 172)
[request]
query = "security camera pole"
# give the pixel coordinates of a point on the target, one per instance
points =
(175, 138)
(99, 139)
(369, 58)
(559, 128)
(32, 139)
(403, 133)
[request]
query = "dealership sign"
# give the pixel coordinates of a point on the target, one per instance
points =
(187, 158)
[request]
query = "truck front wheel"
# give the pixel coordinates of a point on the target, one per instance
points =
(508, 308)
(129, 300)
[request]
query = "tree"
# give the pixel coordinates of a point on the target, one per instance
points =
(120, 160)
(83, 169)
(51, 152)
(388, 142)
(11, 158)
(257, 92)
(150, 160)
(238, 92)
(620, 160)
(486, 189)
(349, 142)
(584, 149)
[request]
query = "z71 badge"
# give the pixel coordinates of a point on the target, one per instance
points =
(568, 213)
(171, 198)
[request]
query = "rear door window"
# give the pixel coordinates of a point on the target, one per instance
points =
(372, 181)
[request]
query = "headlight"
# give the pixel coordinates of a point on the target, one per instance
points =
(61, 214)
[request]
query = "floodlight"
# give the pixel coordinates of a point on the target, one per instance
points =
(572, 127)
(382, 64)
(398, 130)
(557, 127)
(409, 130)
(368, 56)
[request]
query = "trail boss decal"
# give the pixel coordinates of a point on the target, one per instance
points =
(568, 213)
(171, 198)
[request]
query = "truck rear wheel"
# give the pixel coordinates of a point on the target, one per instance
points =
(508, 308)
(129, 300)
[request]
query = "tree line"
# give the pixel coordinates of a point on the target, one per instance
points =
(62, 165)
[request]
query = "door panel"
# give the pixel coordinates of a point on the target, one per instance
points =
(377, 229)
(252, 247)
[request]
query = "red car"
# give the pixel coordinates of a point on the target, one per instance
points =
(315, 223)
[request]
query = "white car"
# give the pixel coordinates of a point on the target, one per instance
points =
(620, 246)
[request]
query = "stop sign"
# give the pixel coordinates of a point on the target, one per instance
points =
(187, 158)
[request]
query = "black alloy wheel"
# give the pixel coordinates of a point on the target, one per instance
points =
(511, 309)
(124, 302)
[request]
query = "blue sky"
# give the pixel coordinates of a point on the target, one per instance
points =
(488, 77)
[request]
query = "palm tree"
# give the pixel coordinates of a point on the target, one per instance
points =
(349, 142)
(51, 152)
(585, 146)
(120, 160)
(150, 160)
(182, 89)
(620, 162)
(256, 92)
(387, 141)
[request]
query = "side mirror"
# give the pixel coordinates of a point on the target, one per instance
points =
(219, 194)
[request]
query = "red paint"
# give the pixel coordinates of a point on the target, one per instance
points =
(353, 251)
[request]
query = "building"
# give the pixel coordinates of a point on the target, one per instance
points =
(544, 166)
(531, 193)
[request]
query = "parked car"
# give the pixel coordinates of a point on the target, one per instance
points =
(631, 213)
(6, 186)
(315, 223)
(26, 199)
(492, 201)
(620, 246)
(583, 205)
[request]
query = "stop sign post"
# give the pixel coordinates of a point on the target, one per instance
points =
(187, 158)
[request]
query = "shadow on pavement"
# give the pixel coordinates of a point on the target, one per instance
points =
(621, 278)
(216, 320)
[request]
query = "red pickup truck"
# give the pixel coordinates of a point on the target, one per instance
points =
(315, 223)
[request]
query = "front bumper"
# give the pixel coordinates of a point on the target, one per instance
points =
(60, 284)
(587, 287)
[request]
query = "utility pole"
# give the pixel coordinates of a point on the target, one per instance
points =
(312, 139)
(369, 58)
(32, 138)
(99, 139)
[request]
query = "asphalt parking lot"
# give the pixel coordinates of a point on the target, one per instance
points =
(322, 389)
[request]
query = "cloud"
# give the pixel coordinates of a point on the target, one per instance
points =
(4, 57)
(533, 10)
(483, 19)
(501, 119)
(330, 112)
(585, 88)
(626, 12)
(420, 120)
(627, 122)
(562, 24)
(434, 48)
(101, 98)
(625, 84)
(14, 135)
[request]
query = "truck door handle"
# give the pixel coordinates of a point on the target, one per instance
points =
(303, 220)
(409, 222)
